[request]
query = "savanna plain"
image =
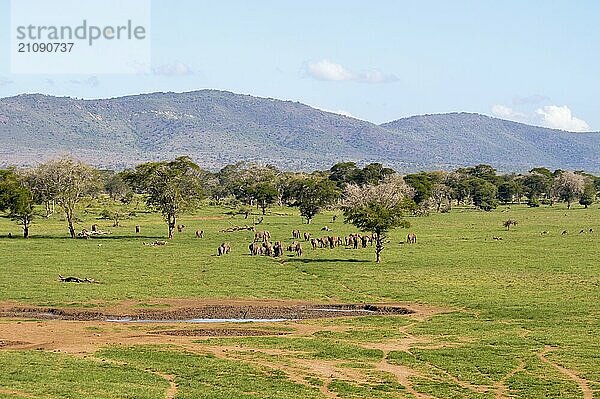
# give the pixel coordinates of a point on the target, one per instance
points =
(515, 317)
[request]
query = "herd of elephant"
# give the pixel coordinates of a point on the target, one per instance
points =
(262, 242)
(261, 245)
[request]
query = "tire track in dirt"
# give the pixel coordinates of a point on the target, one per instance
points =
(324, 389)
(583, 384)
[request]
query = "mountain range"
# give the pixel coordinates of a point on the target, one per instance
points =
(217, 128)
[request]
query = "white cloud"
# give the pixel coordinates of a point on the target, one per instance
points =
(332, 71)
(327, 70)
(557, 117)
(504, 112)
(339, 112)
(551, 116)
(177, 68)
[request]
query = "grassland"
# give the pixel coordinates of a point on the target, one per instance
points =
(516, 317)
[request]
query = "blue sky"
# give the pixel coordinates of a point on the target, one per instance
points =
(530, 61)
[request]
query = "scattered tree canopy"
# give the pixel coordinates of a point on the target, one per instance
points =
(171, 187)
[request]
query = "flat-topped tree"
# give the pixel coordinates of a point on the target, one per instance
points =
(171, 187)
(377, 208)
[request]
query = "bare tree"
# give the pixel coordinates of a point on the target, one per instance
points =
(569, 187)
(440, 195)
(377, 208)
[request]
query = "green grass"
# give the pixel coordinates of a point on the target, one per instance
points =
(509, 299)
(204, 376)
(53, 375)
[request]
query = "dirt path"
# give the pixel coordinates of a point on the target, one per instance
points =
(172, 390)
(501, 388)
(463, 384)
(402, 375)
(13, 392)
(583, 384)
(294, 373)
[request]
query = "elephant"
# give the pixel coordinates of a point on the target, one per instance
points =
(223, 249)
(411, 238)
(254, 248)
(277, 249)
(314, 243)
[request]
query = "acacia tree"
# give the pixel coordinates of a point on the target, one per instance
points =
(251, 184)
(265, 193)
(568, 187)
(117, 188)
(17, 198)
(440, 195)
(589, 194)
(422, 183)
(483, 194)
(171, 187)
(41, 189)
(68, 182)
(377, 208)
(311, 194)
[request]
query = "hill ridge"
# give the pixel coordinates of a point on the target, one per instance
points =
(217, 127)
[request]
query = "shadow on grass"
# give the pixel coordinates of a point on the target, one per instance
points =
(66, 237)
(305, 260)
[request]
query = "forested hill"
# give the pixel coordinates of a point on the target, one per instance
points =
(217, 128)
(460, 138)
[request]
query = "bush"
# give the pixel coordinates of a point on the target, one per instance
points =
(533, 203)
(105, 214)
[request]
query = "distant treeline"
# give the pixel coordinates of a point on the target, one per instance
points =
(173, 187)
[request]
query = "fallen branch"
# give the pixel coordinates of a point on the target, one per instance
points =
(238, 228)
(72, 279)
(87, 234)
(155, 243)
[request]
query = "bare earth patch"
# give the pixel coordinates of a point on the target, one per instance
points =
(218, 332)
(85, 330)
(82, 332)
(221, 310)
